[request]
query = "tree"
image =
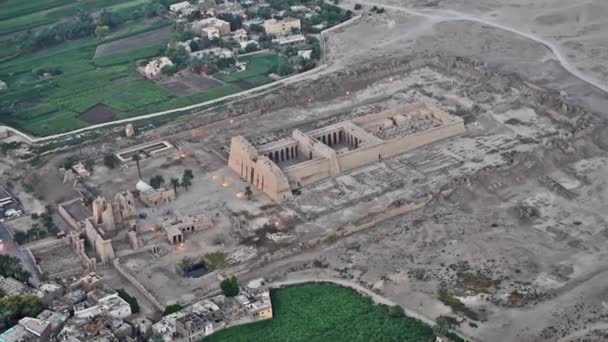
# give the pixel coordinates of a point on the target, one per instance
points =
(230, 287)
(20, 237)
(251, 47)
(186, 182)
(396, 311)
(13, 308)
(136, 158)
(248, 192)
(157, 181)
(129, 299)
(172, 309)
(358, 7)
(236, 21)
(110, 160)
(178, 55)
(11, 267)
(69, 162)
(188, 174)
(168, 70)
(175, 184)
(89, 164)
(102, 31)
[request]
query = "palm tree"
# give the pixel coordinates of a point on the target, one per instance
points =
(175, 184)
(136, 158)
(157, 181)
(186, 182)
(188, 174)
(248, 192)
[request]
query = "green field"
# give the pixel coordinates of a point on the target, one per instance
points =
(44, 106)
(258, 67)
(29, 17)
(326, 312)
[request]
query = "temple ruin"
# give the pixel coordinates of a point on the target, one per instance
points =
(281, 166)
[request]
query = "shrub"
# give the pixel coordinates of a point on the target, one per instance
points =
(358, 7)
(172, 309)
(129, 299)
(230, 287)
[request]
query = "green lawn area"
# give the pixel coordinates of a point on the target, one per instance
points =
(326, 312)
(258, 67)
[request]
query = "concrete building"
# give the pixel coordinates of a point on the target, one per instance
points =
(12, 287)
(223, 27)
(193, 327)
(283, 27)
(293, 40)
(279, 167)
(183, 8)
(129, 131)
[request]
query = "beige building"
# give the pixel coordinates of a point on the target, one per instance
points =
(282, 27)
(154, 197)
(111, 215)
(279, 167)
(175, 228)
(223, 27)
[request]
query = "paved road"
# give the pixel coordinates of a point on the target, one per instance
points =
(9, 247)
(451, 15)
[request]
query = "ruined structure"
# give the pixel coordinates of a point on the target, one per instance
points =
(121, 211)
(307, 157)
(175, 228)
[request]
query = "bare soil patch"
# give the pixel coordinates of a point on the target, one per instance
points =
(134, 42)
(187, 83)
(98, 114)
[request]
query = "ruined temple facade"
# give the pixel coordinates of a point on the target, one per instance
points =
(110, 215)
(279, 167)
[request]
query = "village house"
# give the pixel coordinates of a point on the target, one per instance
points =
(283, 27)
(182, 8)
(293, 40)
(222, 26)
(153, 69)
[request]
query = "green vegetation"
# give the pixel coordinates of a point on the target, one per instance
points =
(256, 74)
(457, 306)
(129, 56)
(129, 299)
(11, 267)
(230, 286)
(327, 312)
(215, 260)
(476, 282)
(172, 309)
(13, 308)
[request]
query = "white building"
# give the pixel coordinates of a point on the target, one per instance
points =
(222, 26)
(183, 7)
(214, 52)
(154, 67)
(246, 43)
(210, 32)
(305, 54)
(287, 41)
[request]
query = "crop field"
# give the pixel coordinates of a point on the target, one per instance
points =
(256, 74)
(27, 15)
(326, 312)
